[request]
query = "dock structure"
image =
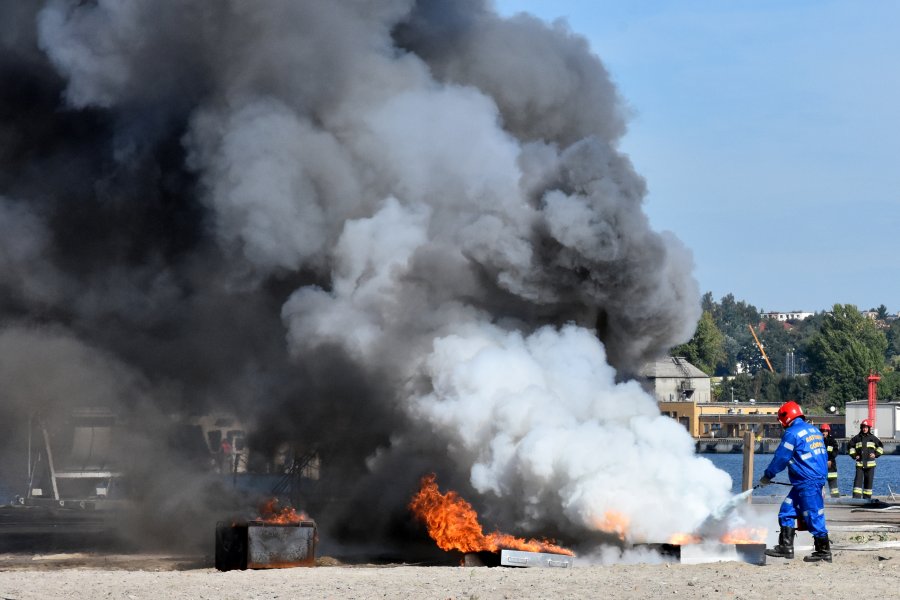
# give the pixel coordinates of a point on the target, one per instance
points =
(767, 445)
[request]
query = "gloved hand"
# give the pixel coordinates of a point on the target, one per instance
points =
(764, 481)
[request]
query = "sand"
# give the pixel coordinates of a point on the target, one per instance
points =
(866, 547)
(869, 562)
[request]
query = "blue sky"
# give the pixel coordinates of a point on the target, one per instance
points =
(769, 135)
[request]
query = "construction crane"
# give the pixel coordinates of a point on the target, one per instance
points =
(760, 346)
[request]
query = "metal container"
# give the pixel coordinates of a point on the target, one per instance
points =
(754, 554)
(483, 558)
(669, 552)
(262, 545)
(231, 546)
(521, 558)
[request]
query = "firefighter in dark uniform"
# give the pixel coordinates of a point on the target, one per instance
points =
(802, 451)
(831, 446)
(865, 448)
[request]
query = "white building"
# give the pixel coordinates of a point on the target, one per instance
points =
(794, 315)
(674, 379)
(887, 418)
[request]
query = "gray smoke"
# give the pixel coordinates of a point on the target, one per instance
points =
(290, 211)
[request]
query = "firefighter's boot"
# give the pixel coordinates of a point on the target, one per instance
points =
(785, 547)
(822, 550)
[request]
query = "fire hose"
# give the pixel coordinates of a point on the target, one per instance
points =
(759, 485)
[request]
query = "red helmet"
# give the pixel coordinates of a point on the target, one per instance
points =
(824, 427)
(789, 411)
(865, 423)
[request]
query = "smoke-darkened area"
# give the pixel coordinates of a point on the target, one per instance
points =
(384, 234)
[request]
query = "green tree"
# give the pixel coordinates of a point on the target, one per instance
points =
(843, 352)
(765, 386)
(704, 350)
(794, 388)
(777, 340)
(893, 338)
(889, 386)
(732, 316)
(741, 386)
(881, 313)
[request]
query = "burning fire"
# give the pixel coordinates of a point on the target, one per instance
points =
(683, 539)
(270, 512)
(745, 535)
(453, 524)
(613, 522)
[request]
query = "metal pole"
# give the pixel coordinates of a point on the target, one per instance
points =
(747, 478)
(50, 463)
(29, 448)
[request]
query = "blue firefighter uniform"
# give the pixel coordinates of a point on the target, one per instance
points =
(802, 450)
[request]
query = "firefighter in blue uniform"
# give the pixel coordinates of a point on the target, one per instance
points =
(802, 451)
(831, 447)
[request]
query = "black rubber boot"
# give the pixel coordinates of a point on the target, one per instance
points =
(822, 551)
(785, 547)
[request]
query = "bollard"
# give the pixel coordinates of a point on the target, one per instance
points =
(747, 479)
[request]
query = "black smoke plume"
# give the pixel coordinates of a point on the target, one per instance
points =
(276, 210)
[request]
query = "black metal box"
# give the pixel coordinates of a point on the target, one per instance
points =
(264, 545)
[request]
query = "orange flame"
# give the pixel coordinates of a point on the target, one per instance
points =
(745, 535)
(683, 539)
(453, 524)
(613, 522)
(270, 512)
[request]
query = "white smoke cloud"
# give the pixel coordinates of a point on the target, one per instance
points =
(546, 424)
(269, 175)
(93, 46)
(373, 254)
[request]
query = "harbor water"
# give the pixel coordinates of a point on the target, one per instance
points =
(887, 473)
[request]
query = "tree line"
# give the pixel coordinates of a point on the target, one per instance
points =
(818, 361)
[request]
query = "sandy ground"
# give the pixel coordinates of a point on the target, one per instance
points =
(866, 554)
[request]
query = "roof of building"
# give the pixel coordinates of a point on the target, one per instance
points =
(672, 366)
(879, 402)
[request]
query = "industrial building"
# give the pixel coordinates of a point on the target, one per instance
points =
(887, 418)
(674, 379)
(683, 392)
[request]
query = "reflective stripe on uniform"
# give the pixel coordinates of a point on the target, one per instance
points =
(829, 448)
(870, 444)
(857, 490)
(789, 445)
(806, 456)
(879, 450)
(859, 464)
(788, 501)
(832, 475)
(870, 464)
